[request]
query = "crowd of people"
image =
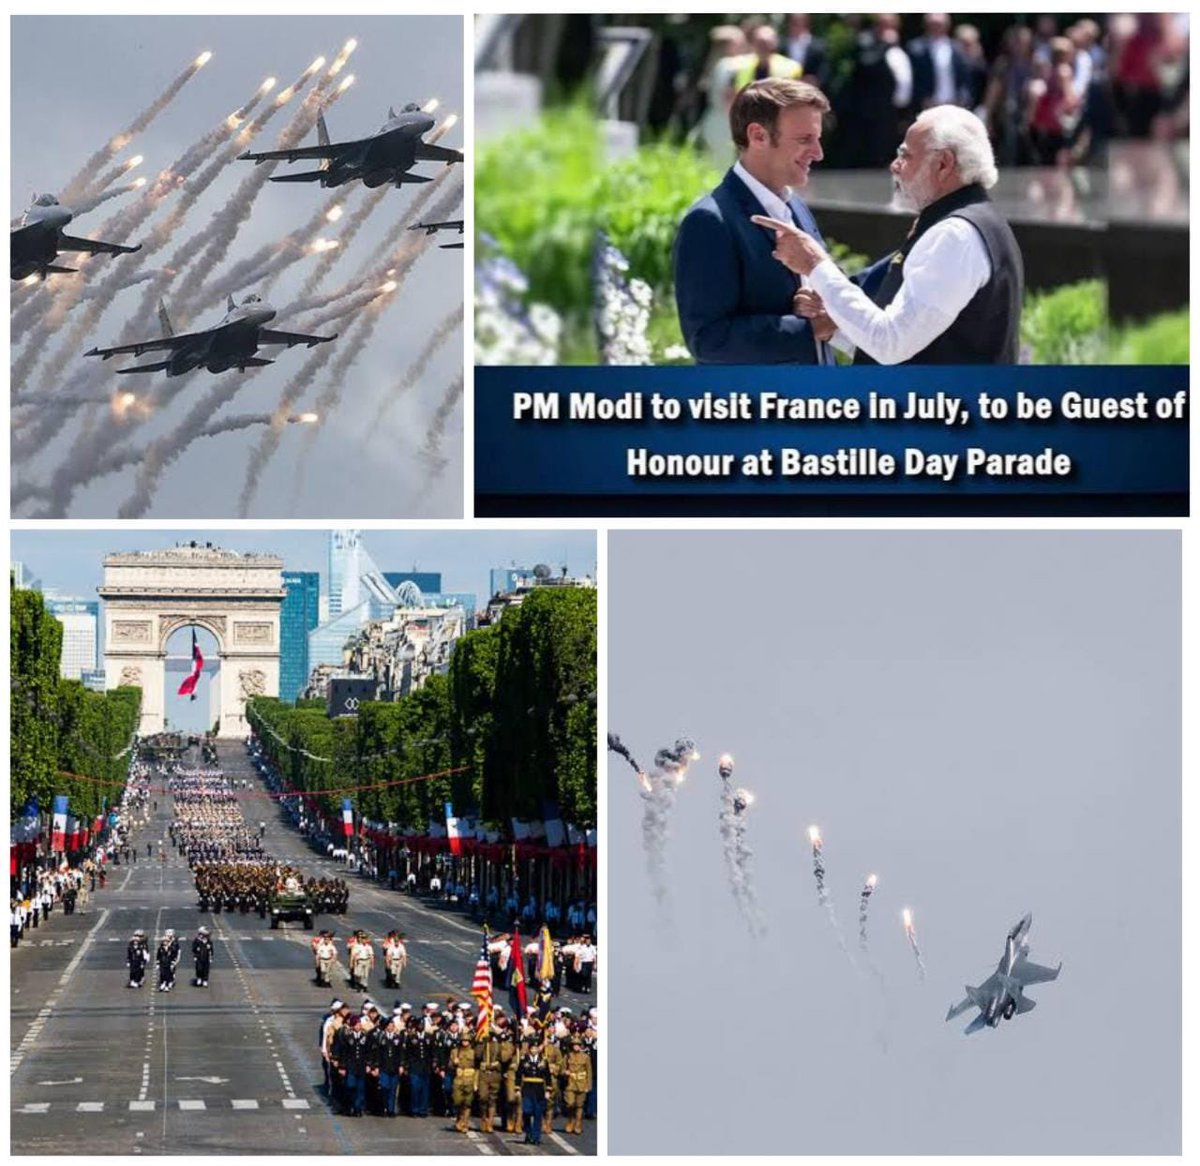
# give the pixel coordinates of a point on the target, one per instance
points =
(1054, 91)
(522, 1073)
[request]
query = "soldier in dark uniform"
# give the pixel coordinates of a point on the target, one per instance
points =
(202, 950)
(137, 956)
(532, 1076)
(445, 1040)
(386, 1054)
(350, 1058)
(168, 958)
(418, 1058)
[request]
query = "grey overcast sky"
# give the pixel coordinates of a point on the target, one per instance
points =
(990, 721)
(79, 80)
(71, 562)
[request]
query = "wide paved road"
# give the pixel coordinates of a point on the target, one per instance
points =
(97, 1067)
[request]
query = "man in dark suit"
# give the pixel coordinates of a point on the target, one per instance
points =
(805, 49)
(941, 73)
(735, 302)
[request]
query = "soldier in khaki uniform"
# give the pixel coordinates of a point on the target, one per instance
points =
(554, 1068)
(509, 1057)
(324, 957)
(464, 1058)
(577, 1081)
(395, 959)
(361, 956)
(491, 1070)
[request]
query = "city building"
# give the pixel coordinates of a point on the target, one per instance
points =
(428, 581)
(299, 615)
(81, 634)
(24, 579)
(402, 652)
(523, 583)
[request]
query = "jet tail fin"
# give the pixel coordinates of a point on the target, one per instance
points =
(323, 139)
(1025, 1005)
(979, 1022)
(165, 320)
(229, 304)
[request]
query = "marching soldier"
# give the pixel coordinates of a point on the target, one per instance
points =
(395, 959)
(168, 958)
(464, 1058)
(509, 1058)
(577, 1083)
(554, 1061)
(202, 950)
(324, 956)
(417, 1063)
(491, 1069)
(532, 1073)
(386, 1057)
(137, 956)
(361, 956)
(350, 1060)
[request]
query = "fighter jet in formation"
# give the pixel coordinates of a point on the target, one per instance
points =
(233, 343)
(1002, 995)
(37, 240)
(384, 157)
(448, 225)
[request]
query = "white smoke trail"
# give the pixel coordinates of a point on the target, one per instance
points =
(731, 821)
(911, 932)
(80, 182)
(818, 854)
(659, 788)
(91, 203)
(416, 370)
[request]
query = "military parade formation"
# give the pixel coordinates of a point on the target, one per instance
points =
(474, 1064)
(515, 1076)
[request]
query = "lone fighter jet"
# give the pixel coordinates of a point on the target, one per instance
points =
(38, 239)
(1002, 994)
(433, 228)
(233, 343)
(385, 157)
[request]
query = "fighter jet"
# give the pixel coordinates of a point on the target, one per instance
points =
(38, 239)
(233, 343)
(385, 157)
(433, 228)
(1002, 995)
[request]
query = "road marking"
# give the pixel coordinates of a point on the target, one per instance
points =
(69, 1081)
(480, 1142)
(244, 1103)
(90, 1107)
(34, 1107)
(184, 1104)
(35, 1029)
(141, 1106)
(294, 1103)
(559, 1140)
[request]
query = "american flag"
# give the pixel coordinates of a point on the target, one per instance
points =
(481, 989)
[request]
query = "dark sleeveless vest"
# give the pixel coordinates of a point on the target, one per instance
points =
(987, 330)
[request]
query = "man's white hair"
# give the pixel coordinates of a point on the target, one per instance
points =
(953, 128)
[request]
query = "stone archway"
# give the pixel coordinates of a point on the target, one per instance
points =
(148, 595)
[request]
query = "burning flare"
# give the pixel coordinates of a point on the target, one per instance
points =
(203, 59)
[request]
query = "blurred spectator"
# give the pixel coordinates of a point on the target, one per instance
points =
(939, 67)
(1056, 107)
(728, 45)
(1148, 66)
(764, 60)
(806, 50)
(966, 36)
(870, 104)
(1045, 30)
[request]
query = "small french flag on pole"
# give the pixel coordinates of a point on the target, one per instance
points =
(452, 832)
(347, 818)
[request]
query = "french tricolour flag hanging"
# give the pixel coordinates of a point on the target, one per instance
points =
(72, 833)
(58, 830)
(188, 687)
(452, 830)
(347, 818)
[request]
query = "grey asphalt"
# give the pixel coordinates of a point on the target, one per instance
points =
(98, 1068)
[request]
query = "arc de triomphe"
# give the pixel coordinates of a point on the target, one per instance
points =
(237, 597)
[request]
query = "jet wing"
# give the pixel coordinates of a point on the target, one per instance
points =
(167, 343)
(321, 150)
(270, 336)
(427, 152)
(95, 246)
(1030, 973)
